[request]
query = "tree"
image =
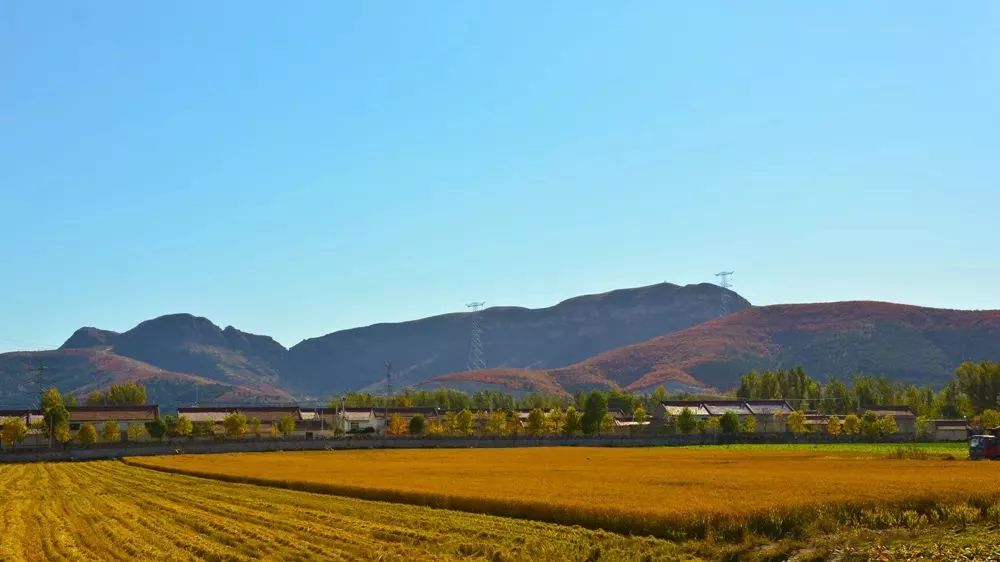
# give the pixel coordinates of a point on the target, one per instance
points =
(203, 429)
(274, 432)
(980, 382)
(608, 423)
(434, 427)
(639, 415)
(797, 422)
(887, 425)
(87, 434)
(571, 424)
(852, 425)
(988, 418)
(254, 425)
(417, 424)
(729, 422)
(286, 425)
(55, 414)
(834, 426)
(556, 420)
(128, 394)
(14, 431)
(397, 425)
(536, 422)
(496, 424)
(594, 410)
(110, 432)
(869, 424)
(156, 428)
(235, 424)
(686, 421)
(712, 425)
(61, 433)
(463, 422)
(135, 431)
(749, 424)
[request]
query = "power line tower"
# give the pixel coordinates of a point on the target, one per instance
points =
(388, 393)
(725, 284)
(476, 361)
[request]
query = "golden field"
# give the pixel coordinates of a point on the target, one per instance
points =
(106, 510)
(669, 492)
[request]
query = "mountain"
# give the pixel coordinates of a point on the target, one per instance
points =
(907, 343)
(192, 344)
(514, 337)
(82, 370)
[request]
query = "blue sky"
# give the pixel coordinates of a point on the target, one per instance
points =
(296, 170)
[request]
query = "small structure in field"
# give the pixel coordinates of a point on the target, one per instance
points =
(950, 430)
(906, 420)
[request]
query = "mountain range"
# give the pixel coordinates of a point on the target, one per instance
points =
(634, 339)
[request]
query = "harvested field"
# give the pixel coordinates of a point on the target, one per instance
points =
(668, 492)
(106, 510)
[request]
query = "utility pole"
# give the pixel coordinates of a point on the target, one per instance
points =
(388, 393)
(476, 361)
(726, 285)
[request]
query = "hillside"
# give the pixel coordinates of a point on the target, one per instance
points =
(907, 343)
(83, 370)
(515, 338)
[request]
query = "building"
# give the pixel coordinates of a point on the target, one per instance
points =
(770, 415)
(121, 415)
(29, 417)
(906, 420)
(950, 430)
(357, 420)
(268, 415)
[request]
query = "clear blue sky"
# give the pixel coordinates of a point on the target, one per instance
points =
(293, 170)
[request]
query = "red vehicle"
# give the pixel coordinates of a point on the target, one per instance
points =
(984, 447)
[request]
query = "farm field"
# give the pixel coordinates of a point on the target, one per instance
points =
(106, 510)
(667, 492)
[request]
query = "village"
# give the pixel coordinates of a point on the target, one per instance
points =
(736, 419)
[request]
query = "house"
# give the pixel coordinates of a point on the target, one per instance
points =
(769, 414)
(950, 430)
(906, 420)
(29, 417)
(268, 415)
(121, 415)
(357, 420)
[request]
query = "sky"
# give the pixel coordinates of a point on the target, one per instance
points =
(293, 170)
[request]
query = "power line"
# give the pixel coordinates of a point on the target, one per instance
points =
(476, 351)
(726, 285)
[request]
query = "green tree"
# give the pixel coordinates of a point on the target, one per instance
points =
(887, 425)
(184, 426)
(980, 382)
(797, 422)
(235, 424)
(608, 423)
(14, 431)
(87, 434)
(417, 424)
(254, 425)
(536, 422)
(571, 423)
(834, 426)
(749, 424)
(869, 424)
(729, 422)
(61, 433)
(286, 425)
(555, 421)
(852, 425)
(274, 432)
(713, 425)
(463, 422)
(203, 429)
(156, 428)
(496, 424)
(988, 418)
(135, 431)
(594, 410)
(686, 421)
(639, 415)
(110, 432)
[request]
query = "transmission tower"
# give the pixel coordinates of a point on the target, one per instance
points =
(725, 284)
(476, 361)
